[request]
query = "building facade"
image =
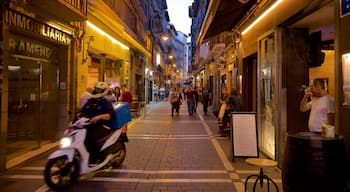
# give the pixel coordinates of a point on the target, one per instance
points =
(157, 26)
(115, 46)
(270, 50)
(37, 60)
(182, 59)
(51, 51)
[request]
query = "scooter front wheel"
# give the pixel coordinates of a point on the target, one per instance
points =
(59, 173)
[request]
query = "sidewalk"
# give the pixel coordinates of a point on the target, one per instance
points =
(237, 169)
(179, 153)
(18, 159)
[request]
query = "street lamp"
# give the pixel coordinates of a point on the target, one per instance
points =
(164, 36)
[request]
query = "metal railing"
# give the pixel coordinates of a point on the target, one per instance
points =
(80, 5)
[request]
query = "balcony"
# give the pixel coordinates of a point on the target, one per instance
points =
(67, 10)
(217, 50)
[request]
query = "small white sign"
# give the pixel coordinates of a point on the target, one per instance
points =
(32, 97)
(62, 85)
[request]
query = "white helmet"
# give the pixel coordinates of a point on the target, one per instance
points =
(100, 88)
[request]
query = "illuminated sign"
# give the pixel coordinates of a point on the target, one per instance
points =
(24, 47)
(28, 24)
(92, 69)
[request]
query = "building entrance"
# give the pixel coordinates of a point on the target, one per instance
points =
(32, 105)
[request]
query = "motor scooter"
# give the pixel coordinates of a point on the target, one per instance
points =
(71, 160)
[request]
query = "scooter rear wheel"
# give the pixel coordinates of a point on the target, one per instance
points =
(59, 173)
(120, 155)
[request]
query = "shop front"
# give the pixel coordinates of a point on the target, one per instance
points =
(35, 58)
(104, 58)
(111, 56)
(283, 66)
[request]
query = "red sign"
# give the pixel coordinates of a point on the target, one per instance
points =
(92, 70)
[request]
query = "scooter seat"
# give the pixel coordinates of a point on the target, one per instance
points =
(101, 141)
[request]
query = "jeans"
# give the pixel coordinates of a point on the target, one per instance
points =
(190, 106)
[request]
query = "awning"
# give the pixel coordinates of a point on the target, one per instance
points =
(227, 14)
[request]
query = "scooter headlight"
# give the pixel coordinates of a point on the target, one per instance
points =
(66, 142)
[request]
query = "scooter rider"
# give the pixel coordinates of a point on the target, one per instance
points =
(100, 111)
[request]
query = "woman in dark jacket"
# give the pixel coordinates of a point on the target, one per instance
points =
(234, 100)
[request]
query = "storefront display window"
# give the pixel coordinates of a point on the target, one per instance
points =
(267, 87)
(346, 79)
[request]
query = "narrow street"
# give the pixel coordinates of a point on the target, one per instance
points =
(165, 154)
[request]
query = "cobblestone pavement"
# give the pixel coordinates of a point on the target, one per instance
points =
(165, 154)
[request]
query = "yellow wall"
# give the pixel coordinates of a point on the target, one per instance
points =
(326, 70)
(105, 45)
(99, 45)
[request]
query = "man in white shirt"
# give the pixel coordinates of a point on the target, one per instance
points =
(317, 99)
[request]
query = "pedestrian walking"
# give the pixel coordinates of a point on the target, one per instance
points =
(173, 100)
(223, 103)
(125, 97)
(117, 93)
(205, 99)
(179, 101)
(190, 97)
(196, 98)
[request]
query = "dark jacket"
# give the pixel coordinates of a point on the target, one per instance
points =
(98, 106)
(234, 102)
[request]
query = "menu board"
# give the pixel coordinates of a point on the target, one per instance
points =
(244, 134)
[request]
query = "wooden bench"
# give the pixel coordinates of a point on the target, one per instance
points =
(135, 108)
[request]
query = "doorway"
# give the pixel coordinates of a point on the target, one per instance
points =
(249, 86)
(32, 104)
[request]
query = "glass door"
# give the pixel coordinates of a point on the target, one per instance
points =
(268, 95)
(24, 99)
(32, 93)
